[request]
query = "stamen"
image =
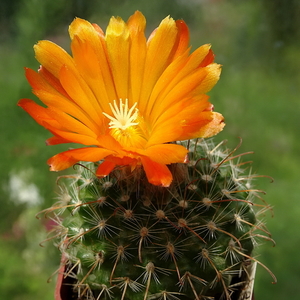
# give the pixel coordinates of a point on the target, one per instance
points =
(123, 117)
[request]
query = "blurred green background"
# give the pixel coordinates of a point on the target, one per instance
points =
(258, 44)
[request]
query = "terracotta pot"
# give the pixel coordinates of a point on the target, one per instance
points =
(63, 288)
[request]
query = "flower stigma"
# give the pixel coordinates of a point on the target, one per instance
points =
(123, 116)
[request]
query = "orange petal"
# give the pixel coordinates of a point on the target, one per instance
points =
(68, 107)
(108, 142)
(38, 113)
(213, 75)
(70, 124)
(38, 82)
(75, 137)
(166, 132)
(92, 37)
(136, 25)
(52, 57)
(183, 38)
(91, 61)
(56, 140)
(175, 75)
(52, 98)
(180, 120)
(99, 31)
(85, 31)
(118, 45)
(81, 93)
(52, 81)
(165, 83)
(184, 109)
(157, 174)
(160, 48)
(212, 128)
(209, 58)
(68, 158)
(166, 153)
(186, 88)
(105, 168)
(57, 122)
(112, 161)
(86, 59)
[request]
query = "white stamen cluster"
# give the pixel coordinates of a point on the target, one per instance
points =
(123, 116)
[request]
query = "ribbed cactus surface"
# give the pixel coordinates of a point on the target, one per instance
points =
(123, 238)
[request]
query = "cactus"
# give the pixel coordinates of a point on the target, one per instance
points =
(124, 238)
(147, 215)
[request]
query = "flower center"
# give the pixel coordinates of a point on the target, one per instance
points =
(123, 117)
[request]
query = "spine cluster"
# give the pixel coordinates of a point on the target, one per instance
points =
(123, 238)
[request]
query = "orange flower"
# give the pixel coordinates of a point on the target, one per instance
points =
(124, 97)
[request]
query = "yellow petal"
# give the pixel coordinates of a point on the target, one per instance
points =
(78, 90)
(165, 86)
(90, 58)
(176, 72)
(118, 45)
(197, 83)
(177, 122)
(52, 57)
(136, 26)
(166, 82)
(212, 77)
(159, 51)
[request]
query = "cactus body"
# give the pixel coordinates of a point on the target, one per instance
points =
(126, 239)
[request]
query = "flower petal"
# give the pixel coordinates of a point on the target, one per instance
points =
(38, 82)
(56, 140)
(52, 98)
(157, 174)
(183, 38)
(68, 158)
(181, 120)
(118, 45)
(166, 153)
(53, 82)
(90, 58)
(70, 124)
(212, 128)
(52, 57)
(197, 83)
(160, 49)
(178, 70)
(136, 25)
(105, 168)
(162, 84)
(38, 113)
(79, 91)
(209, 59)
(213, 75)
(72, 137)
(64, 105)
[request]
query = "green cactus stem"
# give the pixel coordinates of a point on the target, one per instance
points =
(123, 238)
